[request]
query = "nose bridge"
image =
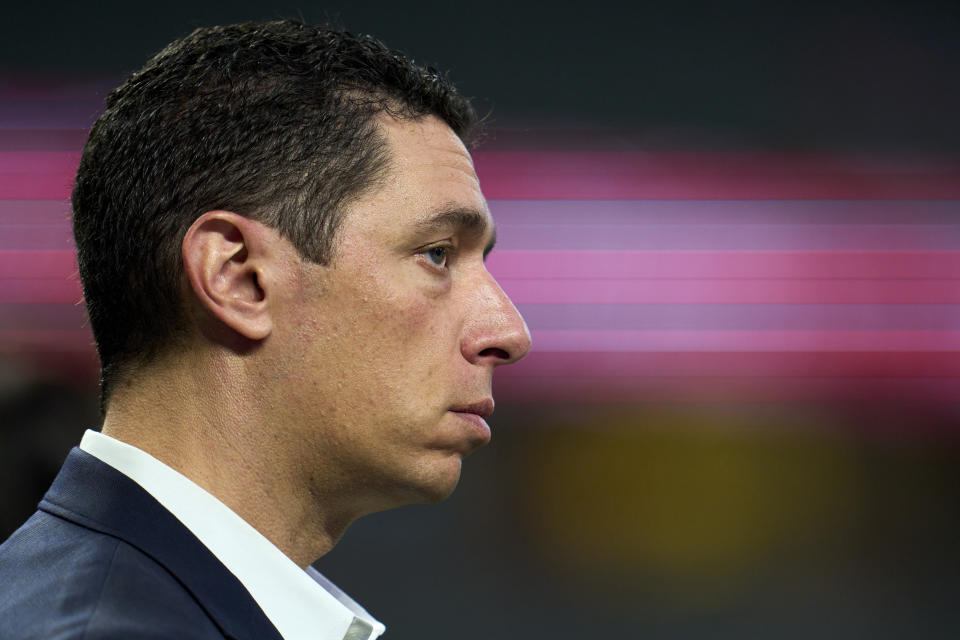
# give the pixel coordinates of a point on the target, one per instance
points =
(496, 328)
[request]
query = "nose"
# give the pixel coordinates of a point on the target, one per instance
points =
(495, 332)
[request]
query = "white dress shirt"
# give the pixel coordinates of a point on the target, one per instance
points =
(302, 605)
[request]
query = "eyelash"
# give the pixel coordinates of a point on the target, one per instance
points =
(447, 255)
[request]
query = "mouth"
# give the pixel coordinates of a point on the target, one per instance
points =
(475, 415)
(484, 408)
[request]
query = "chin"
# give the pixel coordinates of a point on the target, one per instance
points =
(435, 486)
(439, 494)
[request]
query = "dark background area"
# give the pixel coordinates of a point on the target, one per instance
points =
(588, 519)
(733, 75)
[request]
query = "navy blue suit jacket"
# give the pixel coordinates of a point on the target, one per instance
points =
(103, 559)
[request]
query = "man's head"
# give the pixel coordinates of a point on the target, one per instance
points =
(276, 122)
(281, 238)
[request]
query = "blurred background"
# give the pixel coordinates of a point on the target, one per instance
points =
(734, 231)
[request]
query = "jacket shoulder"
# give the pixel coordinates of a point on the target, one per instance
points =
(63, 581)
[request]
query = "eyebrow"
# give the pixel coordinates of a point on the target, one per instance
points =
(468, 220)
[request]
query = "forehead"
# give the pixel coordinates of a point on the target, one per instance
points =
(429, 168)
(429, 189)
(425, 141)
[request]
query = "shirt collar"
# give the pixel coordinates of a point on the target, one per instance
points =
(302, 605)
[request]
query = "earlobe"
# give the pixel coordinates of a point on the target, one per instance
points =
(225, 256)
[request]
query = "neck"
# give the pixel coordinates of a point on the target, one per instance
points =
(192, 417)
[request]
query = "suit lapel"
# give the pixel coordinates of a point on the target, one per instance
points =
(93, 494)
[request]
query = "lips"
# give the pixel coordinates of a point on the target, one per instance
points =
(474, 416)
(483, 408)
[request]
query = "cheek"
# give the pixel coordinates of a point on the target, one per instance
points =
(389, 334)
(416, 357)
(418, 338)
(402, 313)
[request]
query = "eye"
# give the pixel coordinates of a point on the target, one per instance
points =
(437, 256)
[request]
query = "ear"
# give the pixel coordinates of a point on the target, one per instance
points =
(228, 260)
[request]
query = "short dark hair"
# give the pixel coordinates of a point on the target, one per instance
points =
(273, 120)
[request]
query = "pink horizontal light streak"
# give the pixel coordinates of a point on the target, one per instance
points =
(37, 175)
(57, 163)
(776, 364)
(631, 175)
(549, 214)
(646, 265)
(607, 175)
(696, 216)
(546, 340)
(729, 237)
(727, 389)
(619, 265)
(687, 228)
(47, 291)
(732, 291)
(637, 343)
(62, 289)
(37, 265)
(732, 280)
(42, 233)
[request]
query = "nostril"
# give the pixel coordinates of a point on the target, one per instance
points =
(496, 353)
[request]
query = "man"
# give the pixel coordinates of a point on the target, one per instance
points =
(281, 240)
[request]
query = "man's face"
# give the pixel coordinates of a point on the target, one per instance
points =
(396, 340)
